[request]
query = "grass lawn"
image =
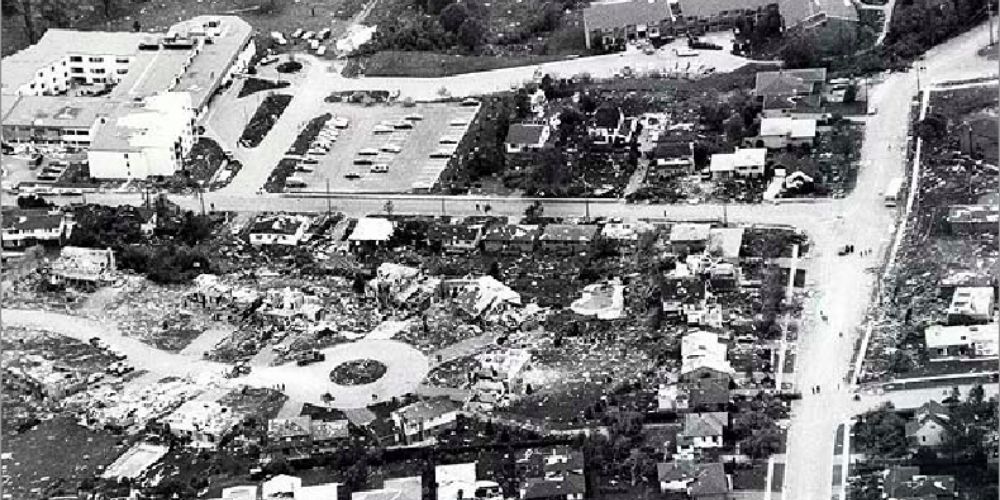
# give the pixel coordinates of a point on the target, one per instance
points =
(276, 181)
(263, 119)
(308, 134)
(430, 64)
(254, 85)
(55, 456)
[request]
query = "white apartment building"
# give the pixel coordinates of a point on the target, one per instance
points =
(144, 139)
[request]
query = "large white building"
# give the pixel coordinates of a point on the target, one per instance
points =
(130, 98)
(144, 139)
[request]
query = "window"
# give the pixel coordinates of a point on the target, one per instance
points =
(76, 70)
(122, 60)
(99, 71)
(96, 59)
(75, 59)
(122, 71)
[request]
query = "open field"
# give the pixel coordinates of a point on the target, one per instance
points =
(431, 64)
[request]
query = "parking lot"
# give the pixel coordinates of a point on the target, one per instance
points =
(375, 132)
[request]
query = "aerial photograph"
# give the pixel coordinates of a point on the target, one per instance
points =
(500, 249)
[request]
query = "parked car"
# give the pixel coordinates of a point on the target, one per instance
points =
(391, 148)
(414, 117)
(382, 129)
(341, 122)
(380, 168)
(363, 161)
(352, 176)
(368, 152)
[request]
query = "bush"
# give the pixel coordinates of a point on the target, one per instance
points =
(254, 85)
(289, 67)
(263, 119)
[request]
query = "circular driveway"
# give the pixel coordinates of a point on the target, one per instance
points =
(406, 368)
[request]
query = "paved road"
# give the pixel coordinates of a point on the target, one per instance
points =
(842, 285)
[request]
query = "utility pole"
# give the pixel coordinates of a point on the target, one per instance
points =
(586, 204)
(328, 208)
(725, 212)
(443, 213)
(201, 198)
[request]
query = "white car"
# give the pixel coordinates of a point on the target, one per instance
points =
(391, 148)
(368, 152)
(414, 117)
(314, 45)
(380, 168)
(341, 122)
(295, 182)
(382, 129)
(458, 122)
(321, 50)
(324, 34)
(298, 33)
(308, 35)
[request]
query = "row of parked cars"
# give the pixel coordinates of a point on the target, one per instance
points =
(319, 146)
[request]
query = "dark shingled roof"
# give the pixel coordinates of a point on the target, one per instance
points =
(621, 14)
(524, 133)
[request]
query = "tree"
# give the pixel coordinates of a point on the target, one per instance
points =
(934, 126)
(534, 211)
(734, 128)
(851, 94)
(434, 7)
(471, 33)
(800, 52)
(762, 443)
(453, 16)
(900, 362)
(882, 433)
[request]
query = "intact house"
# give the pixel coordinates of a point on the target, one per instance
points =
(961, 341)
(703, 356)
(371, 232)
(929, 425)
(522, 137)
(511, 239)
(697, 481)
(784, 132)
(973, 219)
(25, 228)
(612, 24)
(906, 483)
(568, 239)
(624, 235)
(552, 474)
(301, 437)
(725, 242)
(701, 431)
(610, 127)
(286, 230)
(740, 163)
(791, 92)
(672, 155)
(971, 305)
(424, 418)
(455, 238)
(689, 238)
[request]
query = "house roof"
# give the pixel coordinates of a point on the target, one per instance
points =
(326, 430)
(789, 81)
(972, 300)
(205, 70)
(708, 392)
(279, 428)
(372, 229)
(611, 15)
(609, 117)
(30, 220)
(427, 409)
(673, 149)
(525, 133)
(726, 240)
(704, 424)
(625, 231)
(537, 487)
(795, 128)
(812, 103)
(711, 8)
(710, 481)
(448, 232)
(907, 482)
(513, 232)
(728, 162)
(914, 426)
(569, 232)
(959, 214)
(685, 232)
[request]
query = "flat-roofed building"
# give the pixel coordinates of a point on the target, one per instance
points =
(613, 23)
(961, 340)
(974, 219)
(970, 305)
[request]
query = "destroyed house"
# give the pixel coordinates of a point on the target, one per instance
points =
(511, 239)
(611, 127)
(203, 423)
(25, 228)
(973, 219)
(289, 438)
(84, 265)
(568, 238)
(790, 82)
(624, 235)
(678, 293)
(455, 238)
